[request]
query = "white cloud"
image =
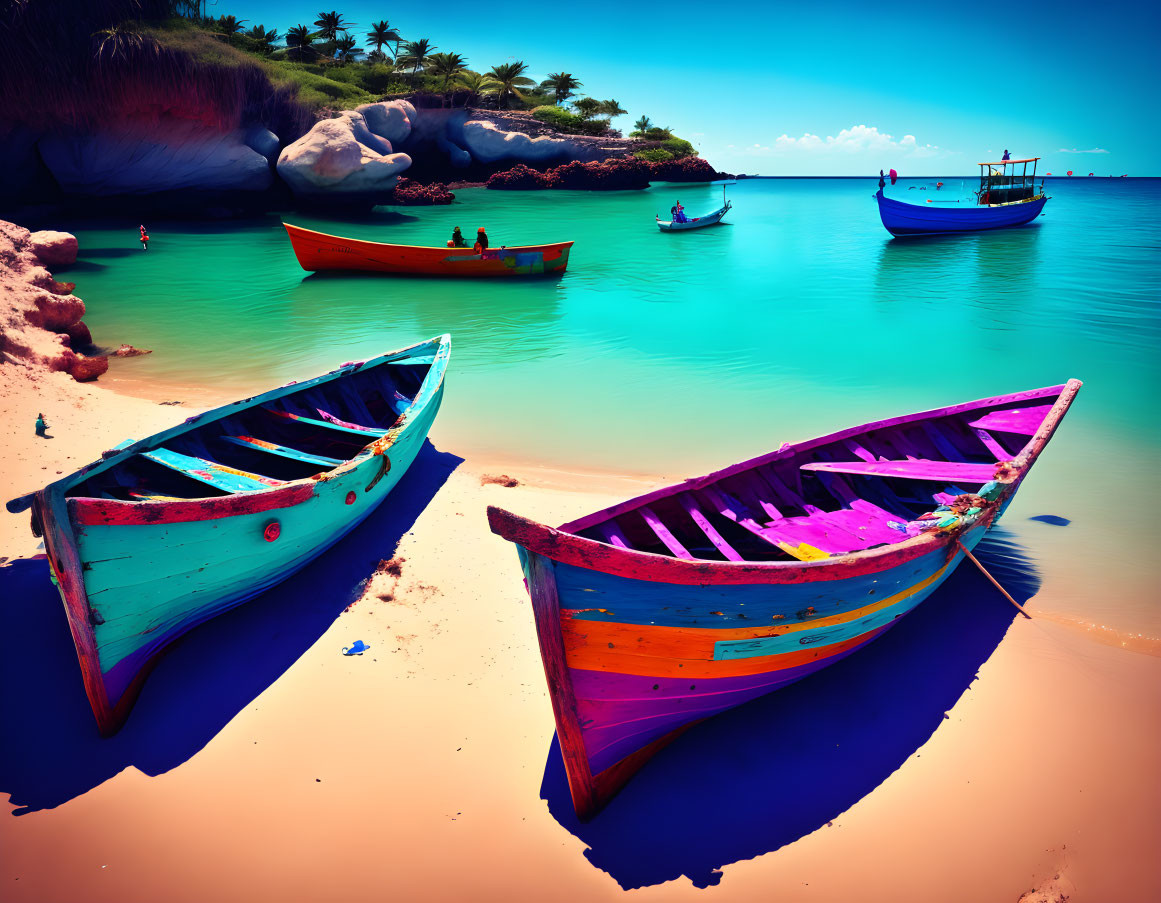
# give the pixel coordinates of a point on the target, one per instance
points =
(858, 139)
(1093, 150)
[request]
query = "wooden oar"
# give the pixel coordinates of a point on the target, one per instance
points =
(995, 583)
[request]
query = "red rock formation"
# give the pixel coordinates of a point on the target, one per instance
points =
(54, 249)
(40, 320)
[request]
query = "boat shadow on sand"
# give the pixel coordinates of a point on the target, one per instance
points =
(50, 751)
(764, 775)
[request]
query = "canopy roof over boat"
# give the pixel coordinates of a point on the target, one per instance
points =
(1006, 162)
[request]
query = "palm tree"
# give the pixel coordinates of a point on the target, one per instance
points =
(265, 39)
(508, 78)
(611, 108)
(643, 124)
(330, 24)
(447, 66)
(415, 54)
(298, 43)
(382, 33)
(229, 25)
(473, 83)
(347, 51)
(587, 107)
(562, 84)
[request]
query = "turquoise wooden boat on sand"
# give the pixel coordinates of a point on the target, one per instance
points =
(164, 533)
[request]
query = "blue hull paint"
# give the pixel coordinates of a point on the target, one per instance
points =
(910, 220)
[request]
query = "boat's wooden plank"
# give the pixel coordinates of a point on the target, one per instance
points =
(1024, 421)
(752, 490)
(858, 451)
(336, 425)
(911, 470)
(228, 479)
(664, 533)
(730, 507)
(780, 486)
(613, 535)
(281, 451)
(993, 446)
(150, 496)
(687, 502)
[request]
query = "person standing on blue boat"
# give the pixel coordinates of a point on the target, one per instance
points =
(1006, 156)
(882, 181)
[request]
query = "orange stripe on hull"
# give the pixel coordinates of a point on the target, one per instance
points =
(656, 650)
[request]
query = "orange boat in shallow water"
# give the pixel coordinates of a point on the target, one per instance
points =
(318, 251)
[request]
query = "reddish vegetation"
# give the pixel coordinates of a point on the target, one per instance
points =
(499, 480)
(625, 173)
(412, 194)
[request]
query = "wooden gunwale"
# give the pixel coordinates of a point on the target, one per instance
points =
(59, 515)
(565, 546)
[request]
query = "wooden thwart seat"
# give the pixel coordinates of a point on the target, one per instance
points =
(336, 425)
(918, 469)
(228, 479)
(272, 448)
(1023, 421)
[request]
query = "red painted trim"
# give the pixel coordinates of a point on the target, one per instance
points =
(597, 556)
(568, 548)
(790, 450)
(86, 512)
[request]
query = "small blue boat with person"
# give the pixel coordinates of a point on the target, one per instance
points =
(1007, 196)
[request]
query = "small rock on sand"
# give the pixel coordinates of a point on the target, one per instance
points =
(499, 480)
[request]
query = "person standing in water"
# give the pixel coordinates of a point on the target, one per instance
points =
(144, 239)
(481, 241)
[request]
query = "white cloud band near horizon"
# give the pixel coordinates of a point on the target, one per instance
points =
(858, 139)
(1074, 150)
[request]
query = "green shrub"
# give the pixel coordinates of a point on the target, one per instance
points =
(558, 117)
(654, 134)
(654, 155)
(318, 90)
(679, 147)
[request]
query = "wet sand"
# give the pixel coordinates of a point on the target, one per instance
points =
(260, 763)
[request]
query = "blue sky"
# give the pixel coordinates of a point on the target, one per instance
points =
(828, 87)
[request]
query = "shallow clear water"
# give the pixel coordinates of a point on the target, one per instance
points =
(676, 354)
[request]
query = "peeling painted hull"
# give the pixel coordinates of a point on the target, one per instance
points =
(318, 251)
(639, 644)
(136, 575)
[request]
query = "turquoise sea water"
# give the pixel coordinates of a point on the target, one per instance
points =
(677, 354)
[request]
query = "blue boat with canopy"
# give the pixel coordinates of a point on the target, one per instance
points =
(1007, 196)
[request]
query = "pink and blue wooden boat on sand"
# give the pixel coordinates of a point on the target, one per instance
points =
(1006, 197)
(667, 609)
(164, 533)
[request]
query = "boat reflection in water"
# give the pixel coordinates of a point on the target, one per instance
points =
(757, 778)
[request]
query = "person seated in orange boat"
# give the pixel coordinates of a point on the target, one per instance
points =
(457, 239)
(481, 241)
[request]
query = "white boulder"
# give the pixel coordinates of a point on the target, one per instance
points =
(329, 162)
(389, 119)
(487, 143)
(54, 249)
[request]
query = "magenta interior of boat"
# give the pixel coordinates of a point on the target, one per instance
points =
(281, 438)
(837, 495)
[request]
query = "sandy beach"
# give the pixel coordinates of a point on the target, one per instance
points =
(260, 763)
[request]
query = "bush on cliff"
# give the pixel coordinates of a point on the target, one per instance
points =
(519, 178)
(622, 174)
(653, 155)
(569, 123)
(412, 194)
(679, 147)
